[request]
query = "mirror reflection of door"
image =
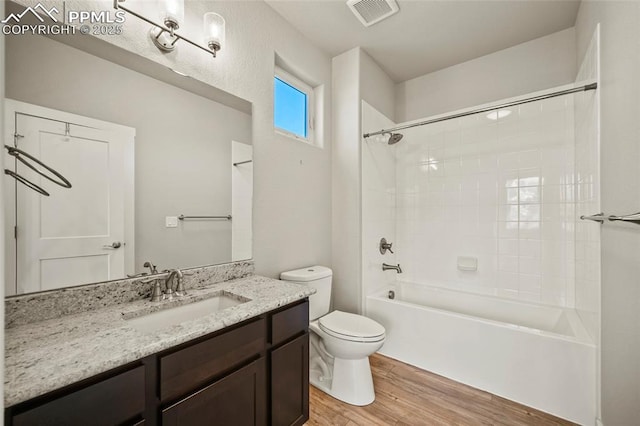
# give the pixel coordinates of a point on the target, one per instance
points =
(75, 235)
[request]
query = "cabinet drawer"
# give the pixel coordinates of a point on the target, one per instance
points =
(286, 324)
(116, 400)
(239, 399)
(189, 368)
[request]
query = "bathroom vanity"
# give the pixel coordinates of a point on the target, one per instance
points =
(247, 364)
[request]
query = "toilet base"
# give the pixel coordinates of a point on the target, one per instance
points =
(351, 381)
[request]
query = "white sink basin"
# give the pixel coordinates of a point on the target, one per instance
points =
(165, 318)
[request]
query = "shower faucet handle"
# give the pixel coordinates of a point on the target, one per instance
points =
(384, 246)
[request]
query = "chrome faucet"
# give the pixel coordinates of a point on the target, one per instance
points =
(166, 285)
(152, 271)
(174, 276)
(152, 268)
(386, 267)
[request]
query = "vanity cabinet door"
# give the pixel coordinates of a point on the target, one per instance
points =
(239, 399)
(116, 400)
(290, 383)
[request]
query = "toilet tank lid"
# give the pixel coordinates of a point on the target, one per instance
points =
(310, 273)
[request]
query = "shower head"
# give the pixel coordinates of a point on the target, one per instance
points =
(394, 138)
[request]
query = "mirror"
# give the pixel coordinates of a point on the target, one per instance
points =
(150, 155)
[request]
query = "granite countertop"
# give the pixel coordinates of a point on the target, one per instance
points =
(47, 355)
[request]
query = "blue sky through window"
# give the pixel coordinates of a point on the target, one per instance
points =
(290, 109)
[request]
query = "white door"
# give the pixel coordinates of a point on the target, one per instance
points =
(77, 235)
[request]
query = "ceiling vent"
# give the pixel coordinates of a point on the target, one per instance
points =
(370, 12)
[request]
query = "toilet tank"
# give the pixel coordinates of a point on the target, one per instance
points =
(318, 277)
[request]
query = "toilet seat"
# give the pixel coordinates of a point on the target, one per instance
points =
(351, 327)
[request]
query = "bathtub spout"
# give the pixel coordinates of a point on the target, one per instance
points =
(386, 267)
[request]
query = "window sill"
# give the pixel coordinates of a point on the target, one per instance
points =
(296, 138)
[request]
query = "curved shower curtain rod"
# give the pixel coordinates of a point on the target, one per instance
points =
(584, 88)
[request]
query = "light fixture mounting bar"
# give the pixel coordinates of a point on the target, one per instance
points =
(117, 5)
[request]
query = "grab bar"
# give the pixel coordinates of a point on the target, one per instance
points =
(183, 217)
(600, 217)
(633, 218)
(18, 154)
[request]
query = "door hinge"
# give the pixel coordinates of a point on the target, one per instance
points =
(15, 232)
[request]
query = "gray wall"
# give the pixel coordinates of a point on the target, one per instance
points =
(376, 87)
(620, 194)
(346, 229)
(356, 77)
(183, 143)
(528, 67)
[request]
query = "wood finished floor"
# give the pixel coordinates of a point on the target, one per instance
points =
(406, 395)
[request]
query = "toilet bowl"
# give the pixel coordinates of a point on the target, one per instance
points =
(340, 342)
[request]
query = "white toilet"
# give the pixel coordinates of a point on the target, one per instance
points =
(340, 342)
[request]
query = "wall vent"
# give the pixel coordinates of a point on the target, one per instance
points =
(370, 12)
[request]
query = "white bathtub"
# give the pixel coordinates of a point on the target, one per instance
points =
(540, 356)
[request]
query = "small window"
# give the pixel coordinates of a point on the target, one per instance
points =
(292, 109)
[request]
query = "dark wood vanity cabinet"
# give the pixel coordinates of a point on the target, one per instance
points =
(239, 398)
(252, 373)
(290, 383)
(118, 399)
(289, 366)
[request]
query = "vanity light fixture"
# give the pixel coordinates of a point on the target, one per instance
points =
(165, 37)
(214, 31)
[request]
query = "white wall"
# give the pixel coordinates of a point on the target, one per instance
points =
(376, 87)
(355, 77)
(346, 232)
(499, 191)
(620, 194)
(528, 67)
(378, 202)
(181, 153)
(292, 193)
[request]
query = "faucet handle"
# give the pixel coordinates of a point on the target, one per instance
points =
(156, 292)
(384, 246)
(180, 291)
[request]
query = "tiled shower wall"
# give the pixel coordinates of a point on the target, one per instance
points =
(499, 188)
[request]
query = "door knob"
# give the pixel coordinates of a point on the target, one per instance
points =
(113, 246)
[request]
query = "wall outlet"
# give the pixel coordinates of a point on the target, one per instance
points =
(171, 221)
